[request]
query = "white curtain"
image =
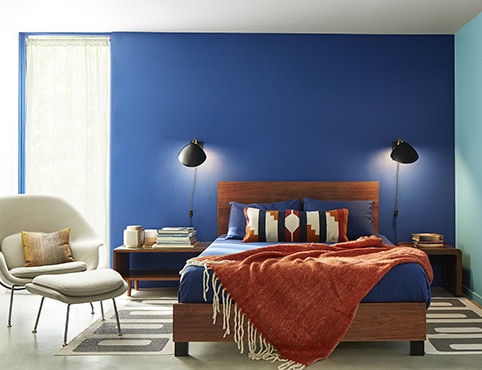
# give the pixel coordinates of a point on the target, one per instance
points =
(67, 124)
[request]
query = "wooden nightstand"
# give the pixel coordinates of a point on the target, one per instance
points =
(452, 265)
(122, 264)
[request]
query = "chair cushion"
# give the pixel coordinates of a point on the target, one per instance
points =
(82, 284)
(60, 268)
(12, 249)
(46, 248)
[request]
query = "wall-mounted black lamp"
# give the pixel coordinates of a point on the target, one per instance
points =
(402, 152)
(192, 155)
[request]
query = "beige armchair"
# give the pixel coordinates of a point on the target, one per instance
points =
(48, 214)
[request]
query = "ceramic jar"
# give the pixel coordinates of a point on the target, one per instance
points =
(134, 236)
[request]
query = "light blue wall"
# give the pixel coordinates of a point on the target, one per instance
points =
(468, 152)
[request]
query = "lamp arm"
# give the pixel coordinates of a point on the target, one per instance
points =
(395, 211)
(191, 212)
(397, 191)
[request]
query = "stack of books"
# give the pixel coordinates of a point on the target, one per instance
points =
(427, 240)
(176, 237)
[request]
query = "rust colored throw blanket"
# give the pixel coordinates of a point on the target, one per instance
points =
(299, 299)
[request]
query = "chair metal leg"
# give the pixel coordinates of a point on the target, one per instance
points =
(92, 308)
(10, 309)
(38, 315)
(9, 323)
(66, 324)
(102, 310)
(117, 318)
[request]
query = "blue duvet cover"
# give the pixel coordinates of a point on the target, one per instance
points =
(404, 283)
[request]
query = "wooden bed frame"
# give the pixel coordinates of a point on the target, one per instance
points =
(398, 321)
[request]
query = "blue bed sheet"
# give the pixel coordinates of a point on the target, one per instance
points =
(403, 283)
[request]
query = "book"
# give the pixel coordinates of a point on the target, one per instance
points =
(176, 232)
(427, 240)
(177, 229)
(174, 245)
(428, 244)
(427, 237)
(177, 242)
(175, 237)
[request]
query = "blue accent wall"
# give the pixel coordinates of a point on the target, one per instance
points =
(285, 107)
(468, 153)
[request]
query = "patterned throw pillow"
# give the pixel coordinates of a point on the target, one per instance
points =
(296, 226)
(237, 221)
(360, 220)
(46, 248)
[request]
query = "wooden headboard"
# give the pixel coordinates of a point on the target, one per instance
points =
(268, 192)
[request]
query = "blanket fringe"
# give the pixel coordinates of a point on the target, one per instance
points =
(258, 347)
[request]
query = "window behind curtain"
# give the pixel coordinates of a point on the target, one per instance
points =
(66, 133)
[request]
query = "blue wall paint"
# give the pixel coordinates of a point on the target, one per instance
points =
(280, 107)
(468, 131)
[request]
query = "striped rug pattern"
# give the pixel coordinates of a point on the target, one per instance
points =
(146, 330)
(454, 326)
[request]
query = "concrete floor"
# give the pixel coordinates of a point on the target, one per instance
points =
(20, 349)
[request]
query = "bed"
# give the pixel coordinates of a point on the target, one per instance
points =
(376, 320)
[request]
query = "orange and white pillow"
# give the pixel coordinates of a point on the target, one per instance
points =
(296, 226)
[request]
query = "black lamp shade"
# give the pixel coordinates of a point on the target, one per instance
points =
(192, 154)
(403, 152)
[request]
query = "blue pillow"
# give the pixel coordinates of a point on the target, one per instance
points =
(360, 216)
(237, 221)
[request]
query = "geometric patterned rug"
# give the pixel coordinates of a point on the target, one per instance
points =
(454, 326)
(146, 326)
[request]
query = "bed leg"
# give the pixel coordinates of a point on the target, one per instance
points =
(417, 348)
(181, 349)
